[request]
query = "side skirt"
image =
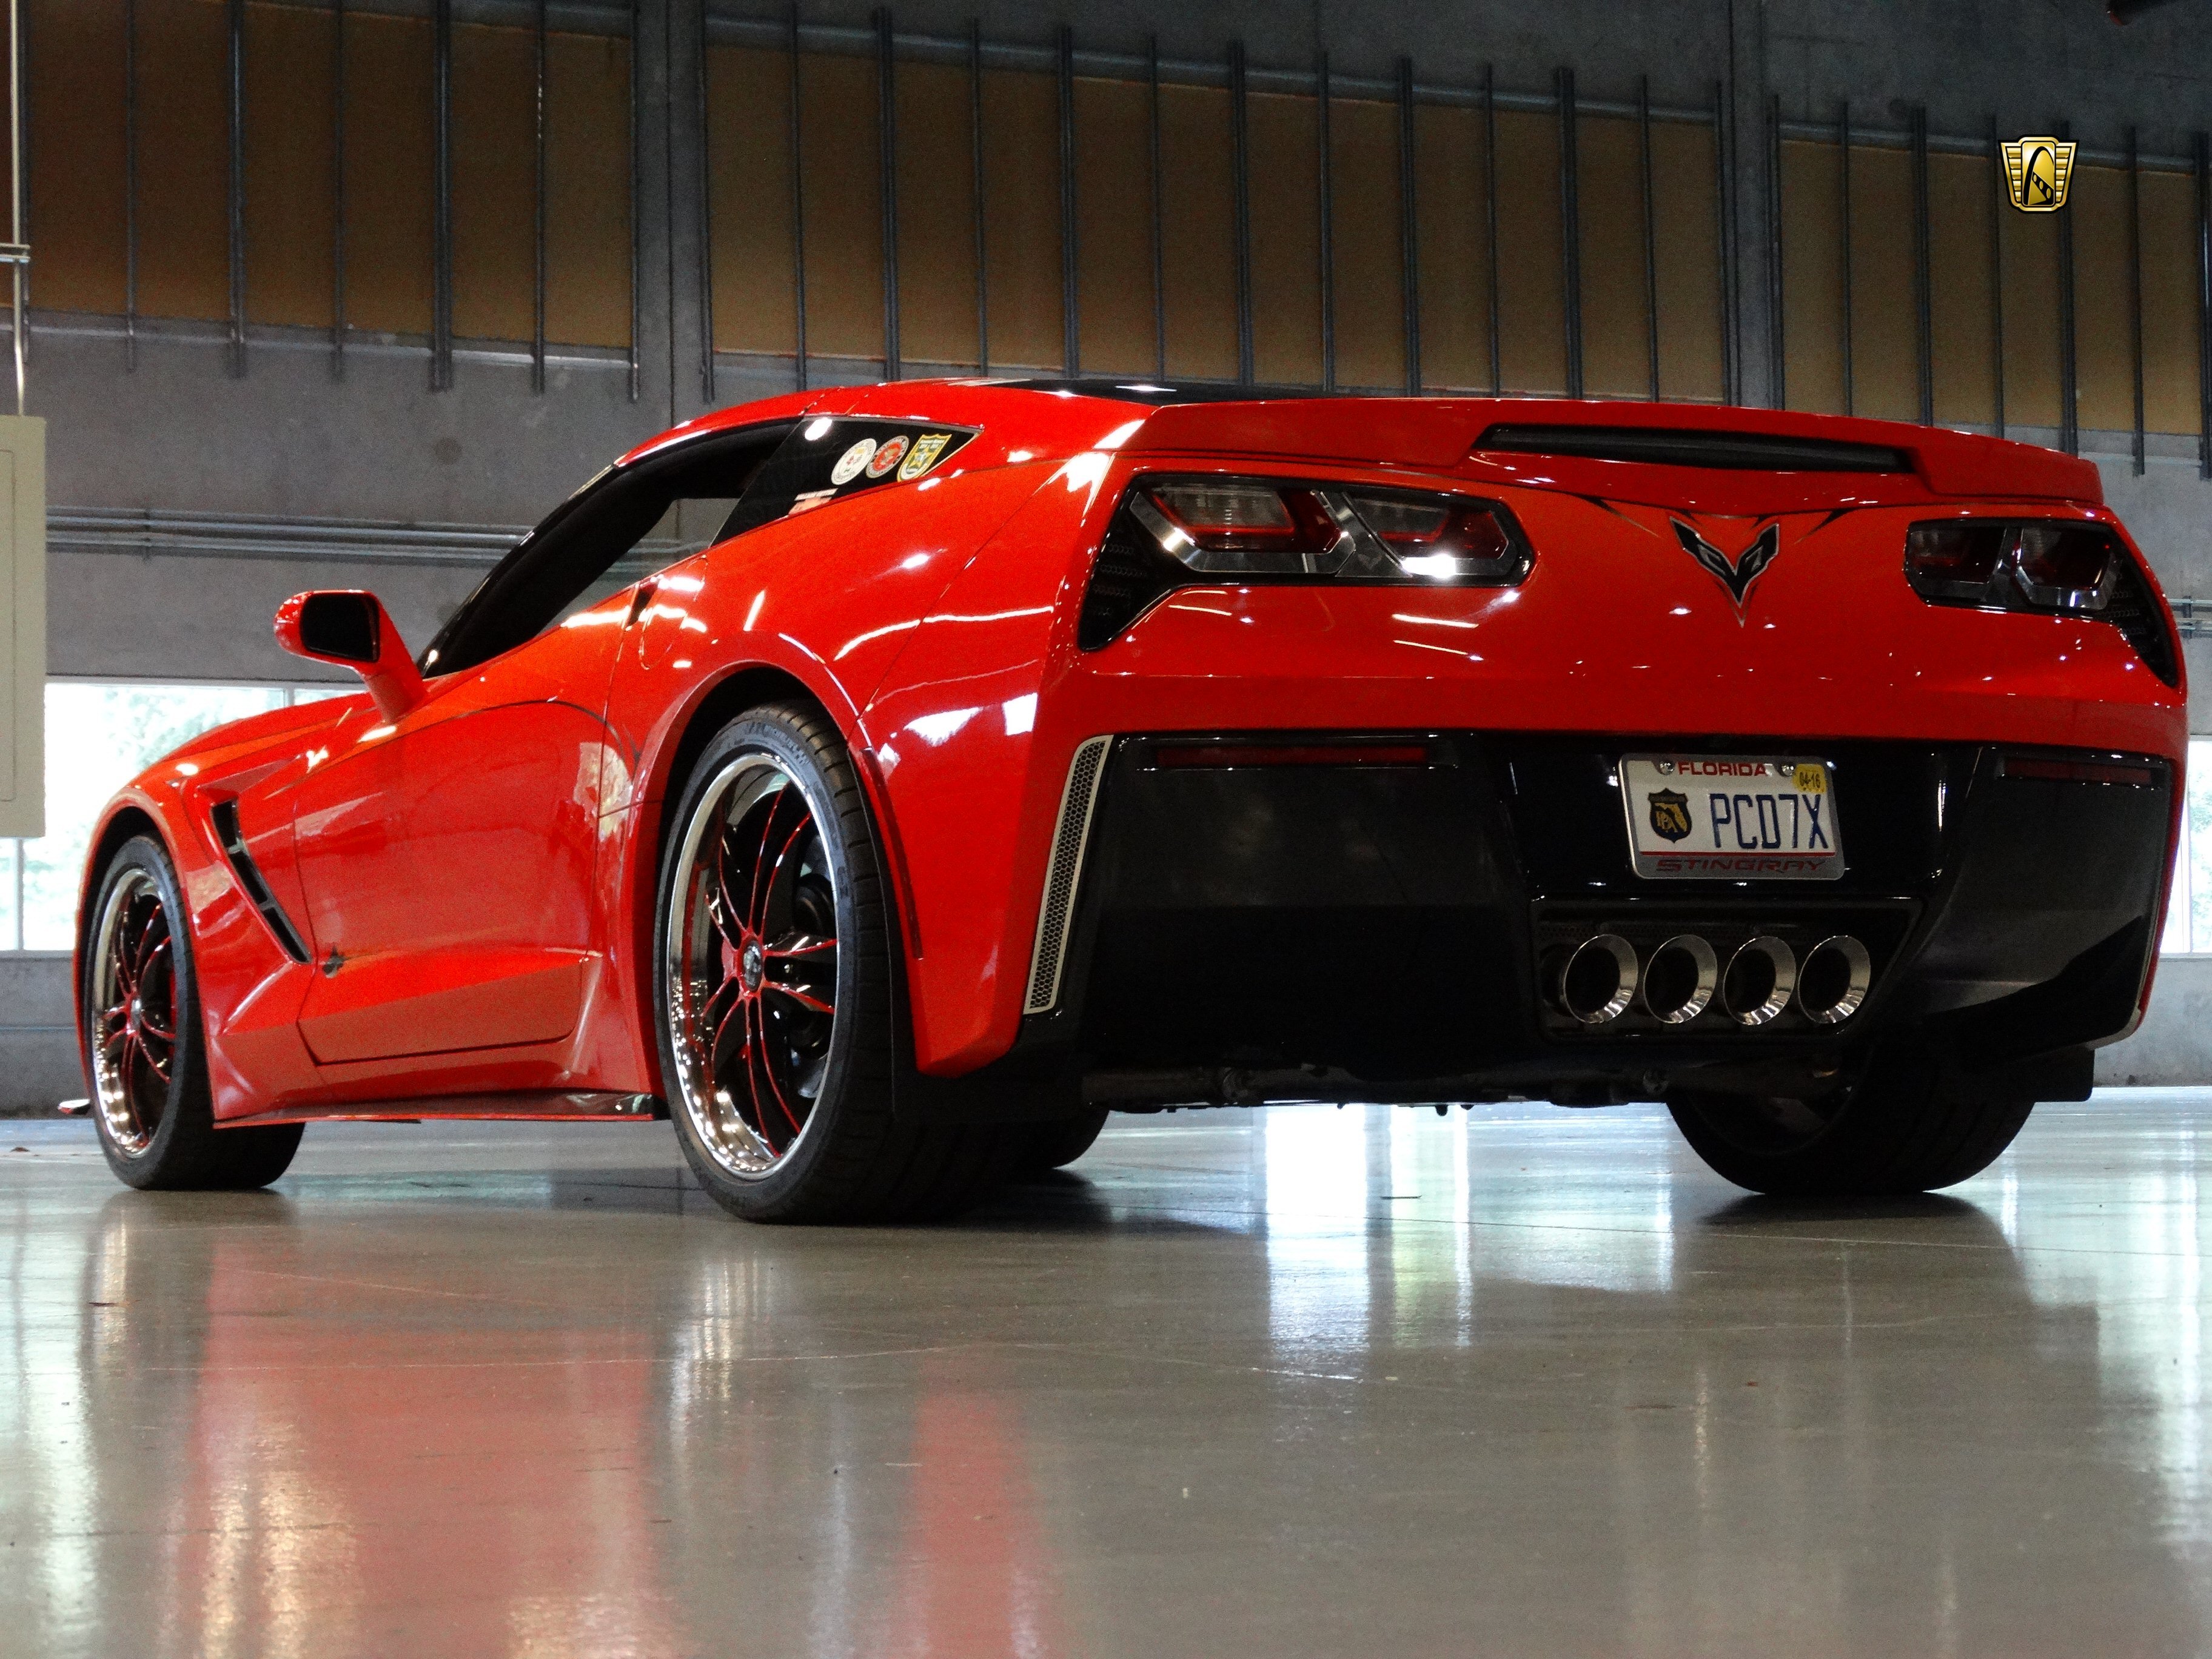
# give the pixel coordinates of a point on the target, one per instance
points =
(520, 1105)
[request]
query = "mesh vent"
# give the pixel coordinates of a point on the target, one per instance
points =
(1069, 839)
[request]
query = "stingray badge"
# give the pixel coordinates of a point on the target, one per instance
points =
(1736, 574)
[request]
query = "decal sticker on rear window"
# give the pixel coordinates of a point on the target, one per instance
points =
(828, 459)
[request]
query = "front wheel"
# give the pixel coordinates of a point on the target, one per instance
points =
(144, 1048)
(1902, 1127)
(774, 993)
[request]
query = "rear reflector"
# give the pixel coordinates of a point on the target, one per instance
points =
(1742, 452)
(1184, 755)
(2073, 771)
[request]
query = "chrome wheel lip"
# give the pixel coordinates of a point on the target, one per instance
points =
(115, 1088)
(738, 1151)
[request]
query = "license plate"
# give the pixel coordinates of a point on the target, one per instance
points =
(1732, 817)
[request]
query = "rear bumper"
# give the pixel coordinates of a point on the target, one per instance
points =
(1386, 927)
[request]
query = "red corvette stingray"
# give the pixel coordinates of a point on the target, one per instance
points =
(1011, 753)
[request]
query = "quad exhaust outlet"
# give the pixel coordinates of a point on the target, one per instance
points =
(1600, 979)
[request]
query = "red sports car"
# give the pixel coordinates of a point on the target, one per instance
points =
(1009, 753)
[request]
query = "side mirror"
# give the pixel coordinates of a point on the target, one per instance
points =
(351, 629)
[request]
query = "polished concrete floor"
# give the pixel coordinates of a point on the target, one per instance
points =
(1363, 1383)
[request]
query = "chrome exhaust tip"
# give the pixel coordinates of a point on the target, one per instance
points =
(1760, 979)
(1680, 978)
(1834, 980)
(1597, 981)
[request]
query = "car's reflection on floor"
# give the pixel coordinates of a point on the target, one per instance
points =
(1299, 1381)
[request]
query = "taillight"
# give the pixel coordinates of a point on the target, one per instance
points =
(1174, 532)
(2055, 568)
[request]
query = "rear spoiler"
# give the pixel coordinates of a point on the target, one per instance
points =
(1695, 446)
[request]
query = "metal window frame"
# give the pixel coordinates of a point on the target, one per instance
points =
(1997, 281)
(130, 186)
(887, 184)
(1489, 225)
(2136, 294)
(540, 179)
(2202, 147)
(1843, 262)
(1777, 385)
(2069, 386)
(1159, 215)
(975, 158)
(1240, 185)
(339, 186)
(1409, 226)
(1325, 205)
(704, 109)
(636, 216)
(441, 231)
(235, 74)
(1923, 291)
(797, 207)
(1724, 245)
(1570, 228)
(1651, 229)
(1070, 293)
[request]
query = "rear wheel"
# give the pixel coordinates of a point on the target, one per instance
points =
(146, 1052)
(1903, 1126)
(1056, 1145)
(774, 993)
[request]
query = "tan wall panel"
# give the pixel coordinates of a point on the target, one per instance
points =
(1286, 191)
(495, 183)
(1021, 195)
(291, 149)
(1369, 244)
(1885, 370)
(587, 185)
(2097, 201)
(391, 153)
(1958, 192)
(1114, 226)
(1812, 284)
(748, 105)
(2170, 390)
(184, 160)
(936, 217)
(1454, 275)
(839, 146)
(75, 183)
(1689, 262)
(1532, 315)
(1198, 212)
(1609, 188)
(2031, 318)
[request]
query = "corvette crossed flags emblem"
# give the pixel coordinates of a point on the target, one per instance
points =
(1736, 574)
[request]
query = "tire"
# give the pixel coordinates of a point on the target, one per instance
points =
(146, 1048)
(1055, 1145)
(1903, 1126)
(774, 1009)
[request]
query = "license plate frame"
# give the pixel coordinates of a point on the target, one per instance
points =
(1776, 821)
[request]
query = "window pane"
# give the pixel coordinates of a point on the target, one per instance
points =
(10, 940)
(97, 737)
(2196, 845)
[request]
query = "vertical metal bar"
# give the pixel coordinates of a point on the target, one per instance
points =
(338, 184)
(1923, 288)
(539, 219)
(975, 146)
(1325, 177)
(706, 378)
(1650, 230)
(1159, 217)
(637, 213)
(1070, 317)
(1490, 220)
(17, 231)
(887, 185)
(441, 233)
(797, 207)
(1240, 157)
(1571, 231)
(1409, 224)
(130, 185)
(1776, 357)
(1724, 242)
(1844, 259)
(2134, 289)
(2203, 148)
(1997, 279)
(2069, 386)
(237, 184)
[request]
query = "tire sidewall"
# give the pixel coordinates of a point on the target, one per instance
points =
(158, 1165)
(814, 764)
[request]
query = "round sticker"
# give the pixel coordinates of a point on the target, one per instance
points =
(850, 463)
(887, 456)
